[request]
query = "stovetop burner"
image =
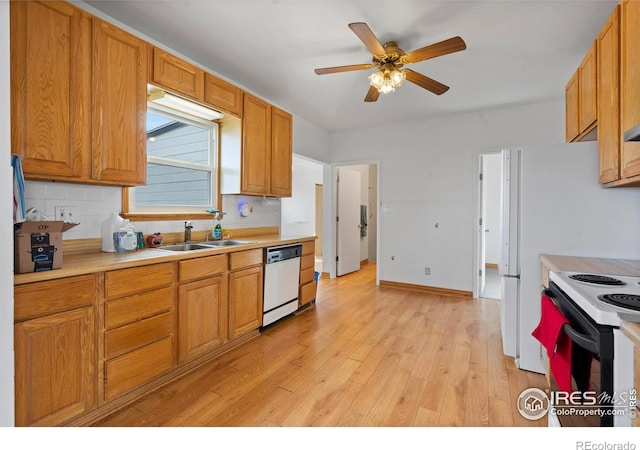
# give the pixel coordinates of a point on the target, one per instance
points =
(597, 279)
(630, 301)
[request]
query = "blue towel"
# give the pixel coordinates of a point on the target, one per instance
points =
(19, 210)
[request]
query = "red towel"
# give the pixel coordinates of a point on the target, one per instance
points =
(549, 333)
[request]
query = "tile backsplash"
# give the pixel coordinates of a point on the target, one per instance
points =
(92, 205)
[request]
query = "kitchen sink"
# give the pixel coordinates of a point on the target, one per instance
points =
(184, 247)
(202, 245)
(226, 243)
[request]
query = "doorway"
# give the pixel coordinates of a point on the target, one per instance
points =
(356, 226)
(490, 180)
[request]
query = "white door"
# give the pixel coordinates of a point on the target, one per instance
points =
(348, 221)
(509, 267)
(481, 236)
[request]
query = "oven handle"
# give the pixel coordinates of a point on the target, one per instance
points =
(581, 339)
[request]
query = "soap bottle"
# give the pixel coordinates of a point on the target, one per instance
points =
(217, 231)
(125, 239)
(110, 226)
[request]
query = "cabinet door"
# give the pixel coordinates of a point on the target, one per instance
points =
(281, 152)
(256, 143)
(119, 74)
(245, 301)
(630, 89)
(222, 96)
(202, 313)
(571, 99)
(587, 90)
(177, 75)
(50, 89)
(55, 367)
(609, 98)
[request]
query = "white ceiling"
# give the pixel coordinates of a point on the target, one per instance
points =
(517, 51)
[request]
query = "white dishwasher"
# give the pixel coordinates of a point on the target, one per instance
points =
(281, 282)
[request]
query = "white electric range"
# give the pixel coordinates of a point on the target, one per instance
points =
(607, 301)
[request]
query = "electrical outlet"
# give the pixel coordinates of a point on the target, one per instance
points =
(65, 213)
(427, 270)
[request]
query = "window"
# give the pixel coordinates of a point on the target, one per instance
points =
(181, 165)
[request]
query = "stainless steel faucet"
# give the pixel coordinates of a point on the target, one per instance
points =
(187, 231)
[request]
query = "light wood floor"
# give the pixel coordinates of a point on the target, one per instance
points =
(363, 356)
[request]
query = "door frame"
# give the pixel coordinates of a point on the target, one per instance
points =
(330, 201)
(478, 233)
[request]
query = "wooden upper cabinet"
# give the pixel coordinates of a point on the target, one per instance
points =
(222, 96)
(119, 74)
(50, 89)
(571, 103)
(587, 91)
(281, 152)
(256, 146)
(630, 85)
(609, 98)
(177, 75)
(581, 99)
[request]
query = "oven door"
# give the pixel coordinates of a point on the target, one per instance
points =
(591, 369)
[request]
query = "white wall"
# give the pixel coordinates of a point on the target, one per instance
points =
(428, 190)
(491, 181)
(6, 230)
(298, 217)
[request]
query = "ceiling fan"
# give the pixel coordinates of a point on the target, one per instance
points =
(389, 59)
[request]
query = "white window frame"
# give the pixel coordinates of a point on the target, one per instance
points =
(212, 167)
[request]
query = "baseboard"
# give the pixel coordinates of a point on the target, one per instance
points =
(364, 262)
(326, 275)
(491, 265)
(427, 289)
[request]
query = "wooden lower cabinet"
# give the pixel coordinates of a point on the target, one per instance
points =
(307, 292)
(245, 300)
(139, 324)
(55, 368)
(138, 367)
(202, 313)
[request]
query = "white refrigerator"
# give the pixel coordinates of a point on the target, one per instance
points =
(509, 268)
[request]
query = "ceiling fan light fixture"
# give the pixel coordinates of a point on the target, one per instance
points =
(386, 80)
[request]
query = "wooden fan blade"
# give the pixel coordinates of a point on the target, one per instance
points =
(367, 37)
(455, 44)
(372, 94)
(426, 82)
(337, 69)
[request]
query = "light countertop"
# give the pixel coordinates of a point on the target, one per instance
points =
(92, 262)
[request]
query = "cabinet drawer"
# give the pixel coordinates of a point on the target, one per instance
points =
(308, 247)
(137, 334)
(192, 269)
(246, 258)
(177, 75)
(137, 367)
(306, 276)
(46, 297)
(307, 262)
(307, 293)
(138, 279)
(130, 309)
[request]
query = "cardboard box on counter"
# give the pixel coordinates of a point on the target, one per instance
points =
(38, 246)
